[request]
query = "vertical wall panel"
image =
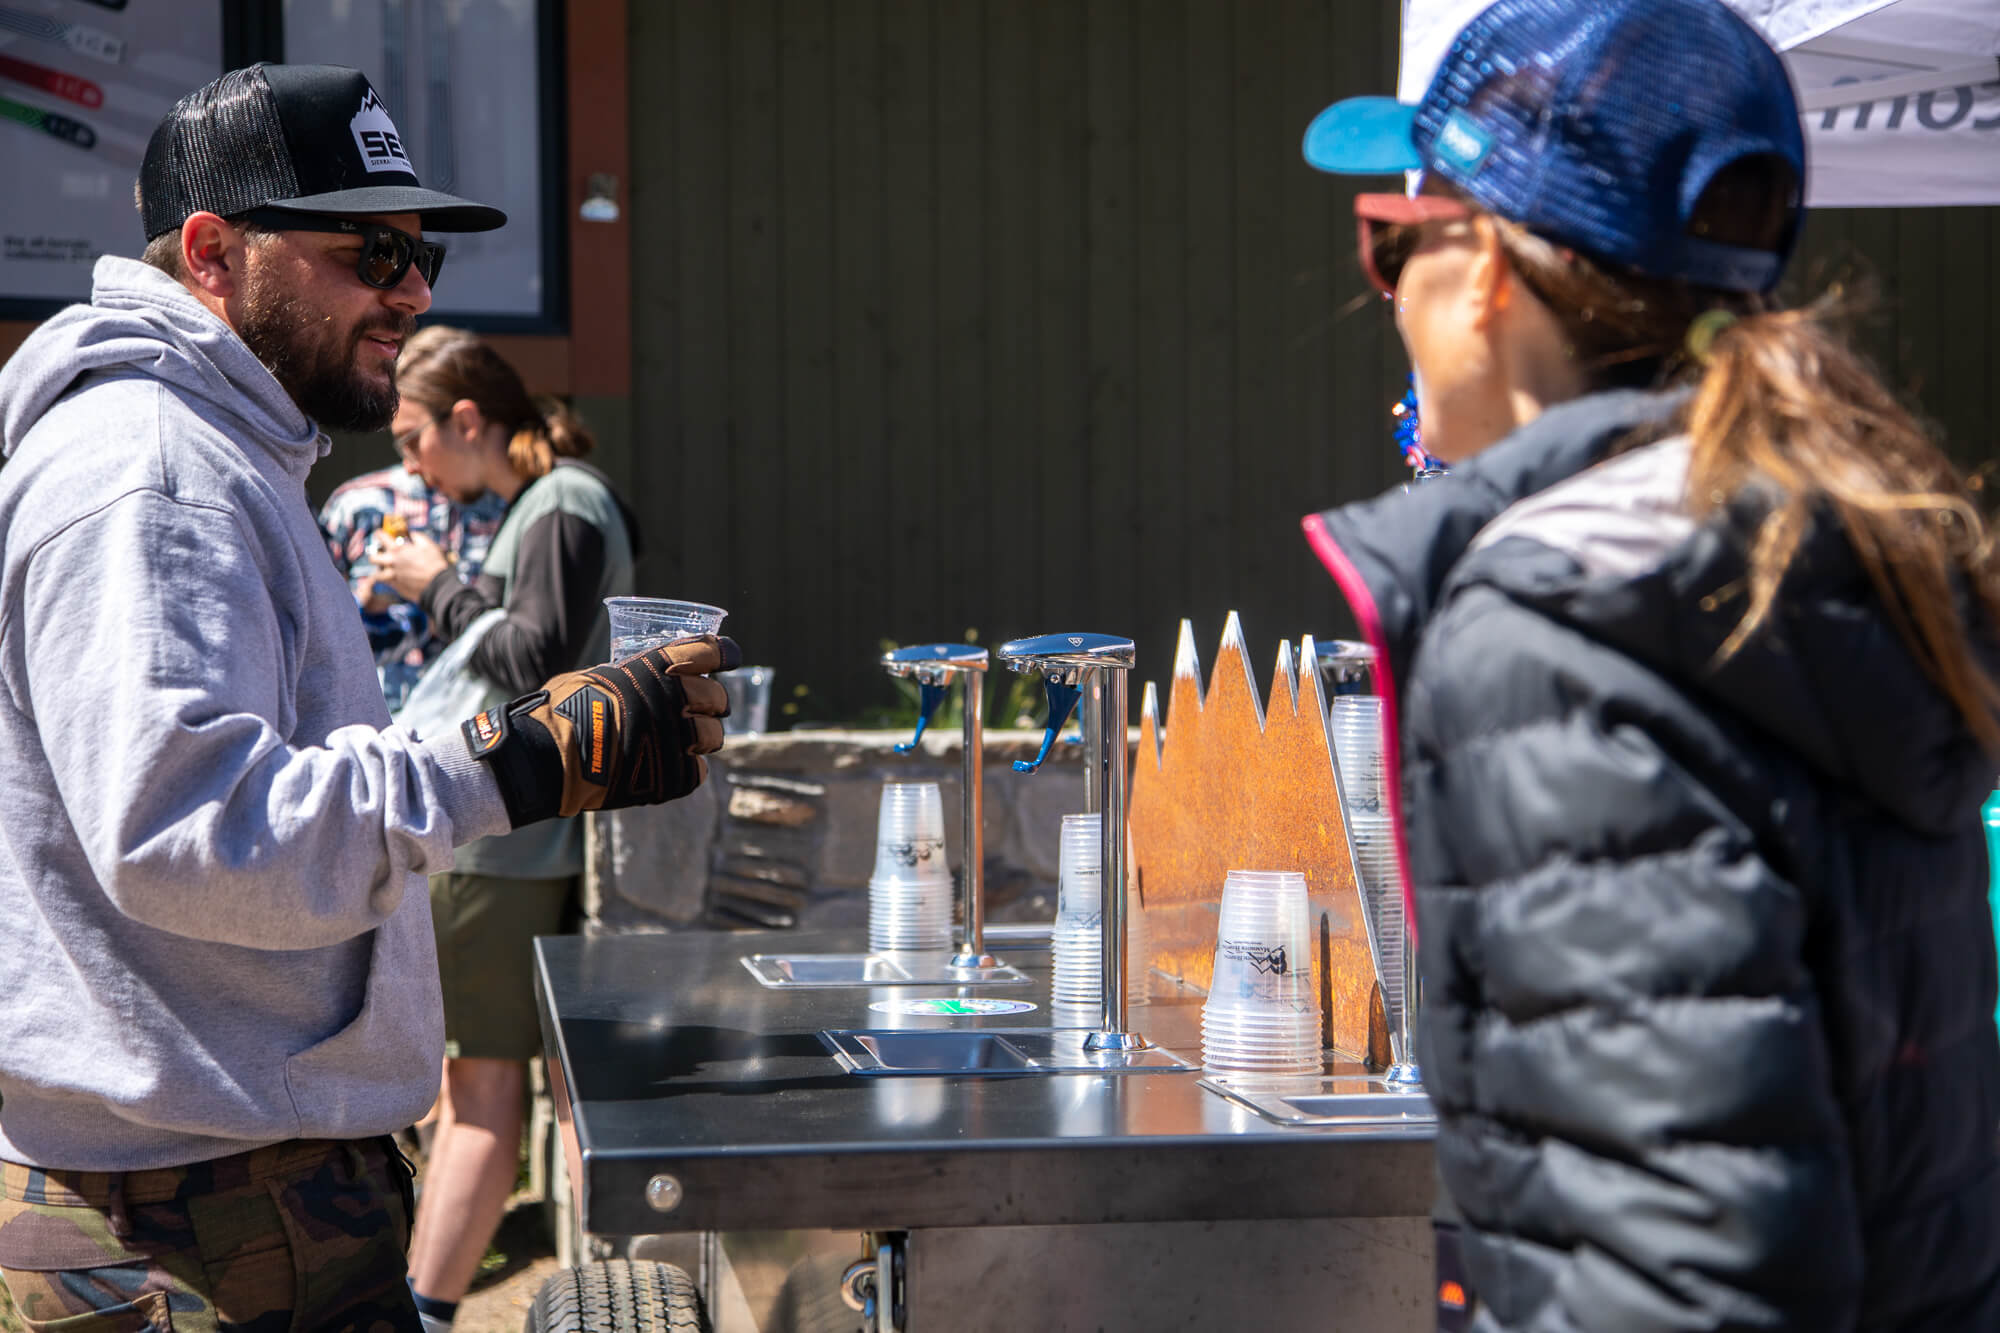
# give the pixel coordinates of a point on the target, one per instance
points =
(1257, 548)
(685, 436)
(941, 304)
(1107, 471)
(796, 505)
(1057, 453)
(853, 446)
(959, 150)
(1208, 471)
(1967, 356)
(1162, 553)
(1306, 398)
(1011, 562)
(915, 561)
(761, 569)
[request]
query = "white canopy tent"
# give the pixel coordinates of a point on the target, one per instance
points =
(1901, 97)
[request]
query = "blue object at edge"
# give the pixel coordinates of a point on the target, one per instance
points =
(1990, 815)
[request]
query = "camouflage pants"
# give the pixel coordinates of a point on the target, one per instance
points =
(301, 1235)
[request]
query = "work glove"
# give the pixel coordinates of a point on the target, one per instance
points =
(621, 734)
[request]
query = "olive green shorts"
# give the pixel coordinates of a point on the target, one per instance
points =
(486, 928)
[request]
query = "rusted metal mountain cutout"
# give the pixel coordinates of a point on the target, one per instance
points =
(1224, 783)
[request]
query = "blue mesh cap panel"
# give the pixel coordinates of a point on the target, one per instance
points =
(1597, 123)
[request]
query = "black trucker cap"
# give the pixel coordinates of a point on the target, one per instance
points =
(308, 138)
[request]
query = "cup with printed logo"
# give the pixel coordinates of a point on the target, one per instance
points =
(640, 623)
(910, 893)
(1262, 1014)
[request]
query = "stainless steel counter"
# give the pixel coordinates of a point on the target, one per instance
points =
(695, 1099)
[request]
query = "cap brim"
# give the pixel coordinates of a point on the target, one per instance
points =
(441, 212)
(1364, 136)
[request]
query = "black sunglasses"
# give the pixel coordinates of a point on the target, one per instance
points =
(386, 254)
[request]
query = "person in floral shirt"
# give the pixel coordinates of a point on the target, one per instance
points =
(398, 631)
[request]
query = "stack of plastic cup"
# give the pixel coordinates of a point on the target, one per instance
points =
(1357, 740)
(910, 895)
(1262, 1015)
(1381, 883)
(1077, 942)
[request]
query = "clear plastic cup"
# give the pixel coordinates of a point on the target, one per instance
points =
(749, 690)
(1357, 748)
(639, 623)
(1262, 1012)
(1080, 869)
(909, 834)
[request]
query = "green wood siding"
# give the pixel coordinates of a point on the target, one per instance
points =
(1026, 315)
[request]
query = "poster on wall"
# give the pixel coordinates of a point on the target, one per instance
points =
(462, 80)
(82, 84)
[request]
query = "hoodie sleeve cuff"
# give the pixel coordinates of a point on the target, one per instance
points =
(470, 796)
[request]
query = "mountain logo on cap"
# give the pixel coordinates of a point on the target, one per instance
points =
(375, 135)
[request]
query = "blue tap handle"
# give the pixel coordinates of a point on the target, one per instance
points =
(929, 697)
(1062, 699)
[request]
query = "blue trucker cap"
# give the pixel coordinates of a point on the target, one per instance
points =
(1594, 123)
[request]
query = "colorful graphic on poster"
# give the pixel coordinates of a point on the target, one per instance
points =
(462, 81)
(81, 87)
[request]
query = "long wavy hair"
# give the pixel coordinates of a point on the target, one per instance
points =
(1781, 400)
(441, 365)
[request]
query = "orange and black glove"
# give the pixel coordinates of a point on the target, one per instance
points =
(629, 733)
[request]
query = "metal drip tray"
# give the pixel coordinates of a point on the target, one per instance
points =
(1326, 1099)
(875, 969)
(990, 1051)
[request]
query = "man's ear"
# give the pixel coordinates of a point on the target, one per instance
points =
(1490, 280)
(212, 254)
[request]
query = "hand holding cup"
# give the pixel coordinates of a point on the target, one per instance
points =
(408, 565)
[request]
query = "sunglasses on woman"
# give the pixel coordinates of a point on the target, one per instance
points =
(1390, 227)
(386, 253)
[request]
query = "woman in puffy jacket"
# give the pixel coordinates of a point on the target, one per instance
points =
(1690, 661)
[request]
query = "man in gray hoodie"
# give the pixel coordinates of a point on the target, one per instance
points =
(220, 988)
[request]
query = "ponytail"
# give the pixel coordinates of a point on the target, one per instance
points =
(1784, 402)
(557, 432)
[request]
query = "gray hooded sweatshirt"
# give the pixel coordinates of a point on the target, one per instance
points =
(212, 843)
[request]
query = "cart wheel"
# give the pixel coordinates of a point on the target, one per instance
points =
(618, 1296)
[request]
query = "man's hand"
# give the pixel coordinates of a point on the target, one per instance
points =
(618, 735)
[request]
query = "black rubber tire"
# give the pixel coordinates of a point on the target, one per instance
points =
(618, 1296)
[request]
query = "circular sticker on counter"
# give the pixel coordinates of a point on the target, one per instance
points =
(951, 1007)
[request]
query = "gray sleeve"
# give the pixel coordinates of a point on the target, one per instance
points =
(164, 672)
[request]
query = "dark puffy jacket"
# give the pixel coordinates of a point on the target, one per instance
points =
(1708, 970)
